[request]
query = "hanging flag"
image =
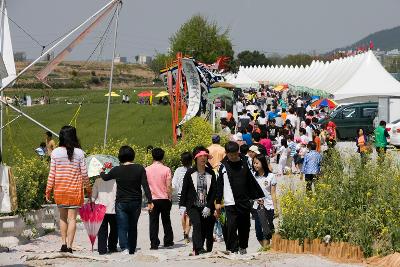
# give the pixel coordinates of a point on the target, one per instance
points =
(371, 45)
(60, 57)
(194, 89)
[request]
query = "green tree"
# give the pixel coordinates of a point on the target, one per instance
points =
(255, 58)
(159, 62)
(299, 59)
(202, 40)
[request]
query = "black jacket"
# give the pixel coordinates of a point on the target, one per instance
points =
(189, 189)
(244, 190)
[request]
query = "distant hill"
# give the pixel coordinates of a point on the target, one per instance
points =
(77, 74)
(388, 39)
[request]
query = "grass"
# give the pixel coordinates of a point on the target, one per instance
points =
(139, 124)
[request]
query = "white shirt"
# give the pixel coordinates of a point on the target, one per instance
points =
(304, 139)
(239, 106)
(229, 200)
(262, 121)
(309, 131)
(299, 102)
(293, 120)
(177, 180)
(266, 184)
(104, 192)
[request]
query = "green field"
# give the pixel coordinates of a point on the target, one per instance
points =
(139, 124)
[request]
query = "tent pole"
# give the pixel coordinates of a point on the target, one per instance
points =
(111, 75)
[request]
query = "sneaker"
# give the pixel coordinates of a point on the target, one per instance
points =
(125, 252)
(64, 248)
(69, 250)
(169, 245)
(242, 251)
(153, 248)
(112, 250)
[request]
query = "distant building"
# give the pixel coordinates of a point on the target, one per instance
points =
(144, 60)
(394, 52)
(19, 56)
(119, 59)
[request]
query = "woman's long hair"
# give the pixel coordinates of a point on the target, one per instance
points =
(264, 164)
(69, 140)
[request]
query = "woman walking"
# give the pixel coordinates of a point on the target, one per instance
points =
(68, 178)
(130, 178)
(197, 197)
(267, 182)
(177, 182)
(361, 143)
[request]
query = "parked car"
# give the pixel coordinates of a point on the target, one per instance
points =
(393, 129)
(349, 118)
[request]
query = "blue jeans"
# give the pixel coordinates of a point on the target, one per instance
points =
(218, 229)
(127, 218)
(259, 232)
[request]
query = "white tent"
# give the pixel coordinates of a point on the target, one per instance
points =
(242, 81)
(369, 82)
(355, 78)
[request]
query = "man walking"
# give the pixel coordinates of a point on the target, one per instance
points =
(311, 165)
(216, 151)
(381, 142)
(159, 179)
(238, 187)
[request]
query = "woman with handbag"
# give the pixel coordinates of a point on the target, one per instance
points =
(264, 206)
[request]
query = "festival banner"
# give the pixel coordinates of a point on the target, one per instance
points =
(194, 89)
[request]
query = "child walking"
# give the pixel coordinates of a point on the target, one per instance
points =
(104, 192)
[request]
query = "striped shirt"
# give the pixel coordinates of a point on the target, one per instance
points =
(68, 178)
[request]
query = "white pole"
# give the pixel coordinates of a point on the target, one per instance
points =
(28, 117)
(111, 75)
(54, 46)
(1, 94)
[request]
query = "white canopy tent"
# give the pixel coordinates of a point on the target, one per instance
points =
(241, 80)
(356, 78)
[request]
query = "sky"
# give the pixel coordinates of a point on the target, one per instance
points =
(271, 26)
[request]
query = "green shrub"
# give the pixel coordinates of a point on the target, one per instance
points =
(31, 178)
(353, 202)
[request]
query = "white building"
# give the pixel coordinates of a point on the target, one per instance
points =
(144, 60)
(119, 59)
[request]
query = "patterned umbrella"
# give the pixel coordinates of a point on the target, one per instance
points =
(95, 163)
(325, 102)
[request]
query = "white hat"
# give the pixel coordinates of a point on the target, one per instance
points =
(238, 137)
(255, 149)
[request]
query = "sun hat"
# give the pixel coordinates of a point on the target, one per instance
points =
(203, 153)
(255, 150)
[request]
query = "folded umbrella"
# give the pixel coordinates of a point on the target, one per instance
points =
(92, 216)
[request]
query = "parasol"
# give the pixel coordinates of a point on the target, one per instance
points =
(95, 163)
(325, 102)
(162, 94)
(92, 216)
(112, 94)
(145, 94)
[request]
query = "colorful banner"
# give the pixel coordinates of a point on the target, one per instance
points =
(194, 89)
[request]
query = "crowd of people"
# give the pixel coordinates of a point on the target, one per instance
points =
(217, 193)
(219, 188)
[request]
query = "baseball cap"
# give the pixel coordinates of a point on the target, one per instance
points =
(255, 150)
